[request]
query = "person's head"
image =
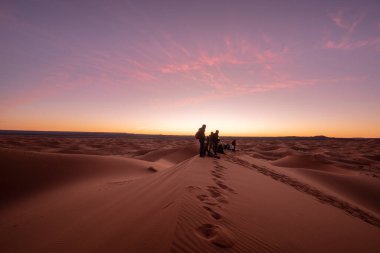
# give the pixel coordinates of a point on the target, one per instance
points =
(204, 126)
(217, 131)
(212, 133)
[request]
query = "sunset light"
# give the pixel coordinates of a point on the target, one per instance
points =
(173, 126)
(248, 68)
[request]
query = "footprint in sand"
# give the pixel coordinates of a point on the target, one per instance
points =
(217, 235)
(192, 188)
(216, 164)
(202, 197)
(217, 174)
(213, 213)
(219, 169)
(206, 200)
(224, 186)
(214, 191)
(216, 194)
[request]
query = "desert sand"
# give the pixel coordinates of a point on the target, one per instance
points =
(155, 194)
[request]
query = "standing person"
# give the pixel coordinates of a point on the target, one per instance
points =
(209, 146)
(215, 141)
(234, 145)
(200, 135)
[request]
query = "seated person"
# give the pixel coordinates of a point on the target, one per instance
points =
(220, 148)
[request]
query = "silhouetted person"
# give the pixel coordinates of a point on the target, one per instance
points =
(215, 140)
(220, 148)
(234, 145)
(202, 137)
(209, 144)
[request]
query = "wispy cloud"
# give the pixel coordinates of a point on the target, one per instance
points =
(203, 60)
(348, 24)
(215, 69)
(341, 20)
(266, 58)
(142, 76)
(346, 44)
(237, 90)
(337, 18)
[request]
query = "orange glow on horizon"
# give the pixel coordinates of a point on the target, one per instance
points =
(331, 132)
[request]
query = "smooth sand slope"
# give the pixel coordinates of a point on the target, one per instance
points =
(168, 199)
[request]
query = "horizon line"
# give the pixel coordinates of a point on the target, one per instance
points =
(184, 135)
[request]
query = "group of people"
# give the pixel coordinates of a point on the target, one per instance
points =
(210, 145)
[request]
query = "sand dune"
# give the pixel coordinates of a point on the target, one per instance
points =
(53, 202)
(24, 173)
(174, 155)
(315, 162)
(350, 184)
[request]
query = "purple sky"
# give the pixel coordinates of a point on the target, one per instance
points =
(245, 67)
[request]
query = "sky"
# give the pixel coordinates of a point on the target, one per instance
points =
(247, 68)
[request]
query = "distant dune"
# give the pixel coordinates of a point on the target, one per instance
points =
(120, 194)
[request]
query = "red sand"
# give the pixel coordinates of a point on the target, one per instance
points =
(155, 195)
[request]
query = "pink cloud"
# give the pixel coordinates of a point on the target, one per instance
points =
(176, 45)
(227, 42)
(172, 68)
(219, 60)
(343, 23)
(216, 80)
(214, 70)
(241, 90)
(345, 44)
(136, 63)
(202, 61)
(110, 71)
(141, 75)
(337, 18)
(231, 56)
(273, 85)
(281, 83)
(265, 58)
(107, 73)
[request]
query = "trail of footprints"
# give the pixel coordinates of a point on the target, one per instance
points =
(216, 197)
(213, 199)
(303, 187)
